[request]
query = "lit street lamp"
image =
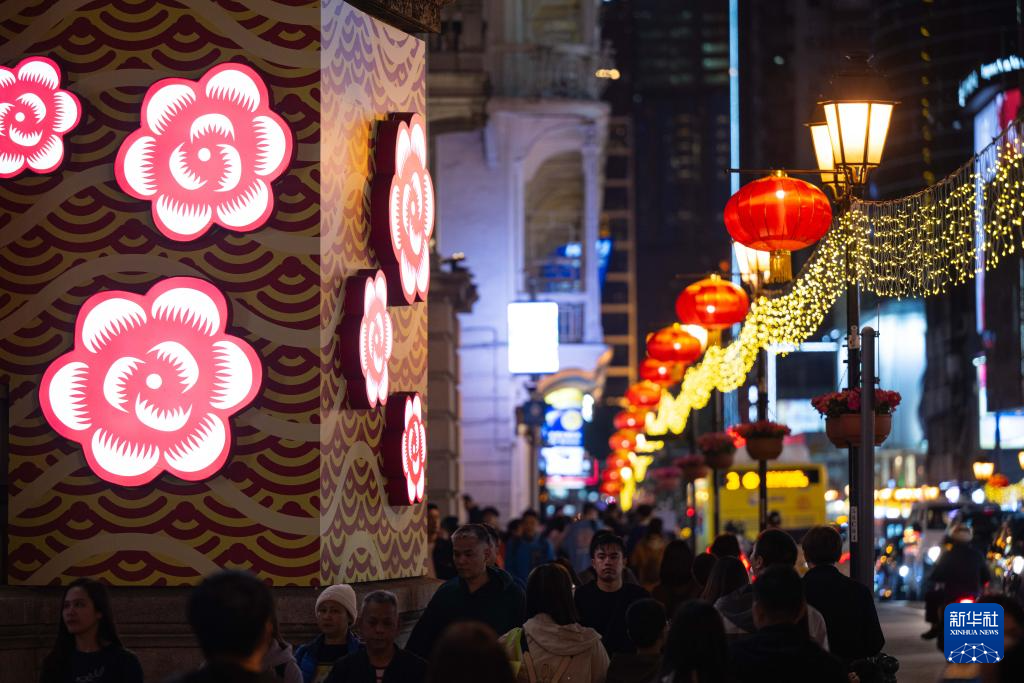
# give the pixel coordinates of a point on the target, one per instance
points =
(983, 470)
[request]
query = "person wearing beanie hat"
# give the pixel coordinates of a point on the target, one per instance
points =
(335, 611)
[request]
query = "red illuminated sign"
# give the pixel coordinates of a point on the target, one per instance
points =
(34, 116)
(367, 320)
(151, 382)
(404, 449)
(206, 153)
(402, 204)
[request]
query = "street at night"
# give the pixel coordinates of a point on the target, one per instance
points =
(514, 341)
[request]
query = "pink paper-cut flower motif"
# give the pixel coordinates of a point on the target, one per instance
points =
(376, 339)
(206, 153)
(151, 383)
(402, 205)
(404, 449)
(34, 116)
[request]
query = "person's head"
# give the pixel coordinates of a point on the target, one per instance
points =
(613, 512)
(549, 591)
(774, 520)
(530, 522)
(514, 528)
(495, 543)
(589, 511)
(778, 596)
(725, 545)
(468, 652)
(728, 575)
(703, 564)
(822, 545)
(643, 512)
(450, 524)
(86, 610)
(655, 528)
(433, 518)
(676, 564)
(378, 621)
(772, 547)
(608, 556)
(490, 517)
(471, 546)
(467, 500)
(646, 624)
(230, 613)
(335, 611)
(565, 564)
(696, 649)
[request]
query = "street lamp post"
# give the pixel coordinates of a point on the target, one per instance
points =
(857, 116)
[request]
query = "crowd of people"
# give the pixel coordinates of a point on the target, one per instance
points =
(576, 600)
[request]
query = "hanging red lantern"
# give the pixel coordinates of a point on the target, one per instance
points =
(617, 460)
(630, 419)
(610, 488)
(622, 440)
(778, 214)
(644, 394)
(612, 475)
(674, 344)
(713, 303)
(661, 372)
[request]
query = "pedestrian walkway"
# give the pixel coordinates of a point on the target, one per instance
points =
(903, 623)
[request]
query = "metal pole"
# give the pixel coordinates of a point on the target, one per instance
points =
(853, 374)
(862, 563)
(762, 414)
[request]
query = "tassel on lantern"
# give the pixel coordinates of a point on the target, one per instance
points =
(781, 267)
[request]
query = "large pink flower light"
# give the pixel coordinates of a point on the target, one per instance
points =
(404, 449)
(151, 382)
(34, 116)
(207, 152)
(402, 203)
(366, 308)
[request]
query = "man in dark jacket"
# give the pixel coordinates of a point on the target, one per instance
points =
(602, 604)
(382, 661)
(780, 650)
(479, 593)
(848, 608)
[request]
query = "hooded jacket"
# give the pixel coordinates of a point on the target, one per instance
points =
(737, 610)
(549, 643)
(279, 662)
(500, 603)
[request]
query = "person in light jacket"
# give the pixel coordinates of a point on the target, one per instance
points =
(552, 646)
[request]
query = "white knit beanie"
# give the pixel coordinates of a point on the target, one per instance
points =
(342, 594)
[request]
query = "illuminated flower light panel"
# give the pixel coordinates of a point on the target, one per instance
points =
(402, 205)
(206, 153)
(367, 323)
(404, 449)
(151, 383)
(34, 116)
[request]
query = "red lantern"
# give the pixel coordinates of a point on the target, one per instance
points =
(661, 372)
(713, 303)
(644, 394)
(612, 475)
(778, 214)
(622, 440)
(630, 419)
(610, 488)
(617, 460)
(674, 344)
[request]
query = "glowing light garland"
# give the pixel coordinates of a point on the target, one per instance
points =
(912, 247)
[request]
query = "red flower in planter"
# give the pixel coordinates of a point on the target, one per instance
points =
(151, 382)
(206, 152)
(404, 450)
(34, 116)
(402, 203)
(376, 339)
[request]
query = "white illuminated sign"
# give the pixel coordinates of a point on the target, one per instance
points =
(986, 72)
(533, 337)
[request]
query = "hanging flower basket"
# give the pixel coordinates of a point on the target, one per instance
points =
(841, 410)
(718, 449)
(693, 466)
(763, 438)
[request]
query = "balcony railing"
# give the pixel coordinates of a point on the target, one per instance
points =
(550, 71)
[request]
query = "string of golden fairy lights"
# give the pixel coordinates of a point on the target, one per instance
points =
(912, 247)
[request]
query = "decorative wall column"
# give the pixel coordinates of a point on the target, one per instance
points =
(593, 331)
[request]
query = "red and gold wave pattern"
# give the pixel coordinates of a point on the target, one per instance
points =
(72, 233)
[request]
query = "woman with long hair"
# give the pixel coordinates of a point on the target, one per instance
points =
(88, 647)
(552, 645)
(696, 650)
(728, 575)
(676, 584)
